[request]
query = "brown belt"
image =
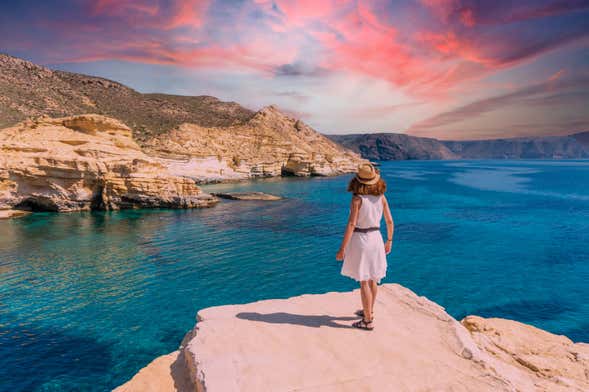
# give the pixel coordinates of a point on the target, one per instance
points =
(366, 230)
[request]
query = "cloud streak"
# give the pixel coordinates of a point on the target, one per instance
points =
(551, 93)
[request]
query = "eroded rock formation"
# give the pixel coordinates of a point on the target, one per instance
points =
(85, 162)
(269, 144)
(306, 344)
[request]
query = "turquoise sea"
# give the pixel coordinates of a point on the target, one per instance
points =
(87, 299)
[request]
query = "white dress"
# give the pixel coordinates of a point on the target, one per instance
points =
(364, 257)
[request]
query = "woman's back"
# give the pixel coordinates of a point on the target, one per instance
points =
(363, 250)
(370, 213)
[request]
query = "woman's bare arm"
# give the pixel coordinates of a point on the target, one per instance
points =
(388, 217)
(352, 220)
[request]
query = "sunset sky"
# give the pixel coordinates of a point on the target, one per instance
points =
(451, 69)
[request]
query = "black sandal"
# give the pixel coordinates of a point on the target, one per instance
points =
(363, 324)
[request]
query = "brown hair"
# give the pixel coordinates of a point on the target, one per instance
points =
(357, 188)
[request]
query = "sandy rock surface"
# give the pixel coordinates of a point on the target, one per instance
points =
(86, 162)
(166, 373)
(306, 343)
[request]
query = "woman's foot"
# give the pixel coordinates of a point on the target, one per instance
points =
(364, 324)
(360, 313)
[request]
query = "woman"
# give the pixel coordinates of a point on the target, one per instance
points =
(362, 249)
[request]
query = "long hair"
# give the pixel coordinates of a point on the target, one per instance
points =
(357, 188)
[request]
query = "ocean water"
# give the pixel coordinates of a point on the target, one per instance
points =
(87, 299)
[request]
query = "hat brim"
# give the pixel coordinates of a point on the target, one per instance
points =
(368, 182)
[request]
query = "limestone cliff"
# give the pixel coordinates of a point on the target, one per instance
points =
(85, 162)
(306, 344)
(269, 144)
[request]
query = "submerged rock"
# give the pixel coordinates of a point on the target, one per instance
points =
(306, 343)
(247, 196)
(6, 214)
(86, 162)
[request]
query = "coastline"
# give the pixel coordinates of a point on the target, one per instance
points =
(19, 213)
(93, 162)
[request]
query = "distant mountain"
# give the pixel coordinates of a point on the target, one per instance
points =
(394, 146)
(550, 147)
(583, 138)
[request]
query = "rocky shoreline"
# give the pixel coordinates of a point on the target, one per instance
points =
(92, 162)
(78, 142)
(87, 162)
(305, 343)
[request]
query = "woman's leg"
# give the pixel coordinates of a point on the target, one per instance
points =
(373, 290)
(366, 295)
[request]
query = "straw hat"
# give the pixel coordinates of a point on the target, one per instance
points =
(367, 174)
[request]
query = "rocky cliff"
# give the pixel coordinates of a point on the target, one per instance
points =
(395, 146)
(306, 344)
(198, 137)
(271, 143)
(82, 163)
(29, 90)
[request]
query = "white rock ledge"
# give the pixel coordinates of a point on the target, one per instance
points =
(306, 343)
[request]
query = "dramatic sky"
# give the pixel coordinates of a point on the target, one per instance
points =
(451, 69)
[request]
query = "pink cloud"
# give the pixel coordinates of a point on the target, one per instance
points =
(427, 59)
(124, 7)
(360, 42)
(549, 93)
(188, 13)
(179, 13)
(238, 57)
(557, 75)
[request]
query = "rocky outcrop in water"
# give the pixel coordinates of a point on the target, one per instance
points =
(86, 162)
(269, 144)
(247, 196)
(7, 214)
(306, 343)
(395, 146)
